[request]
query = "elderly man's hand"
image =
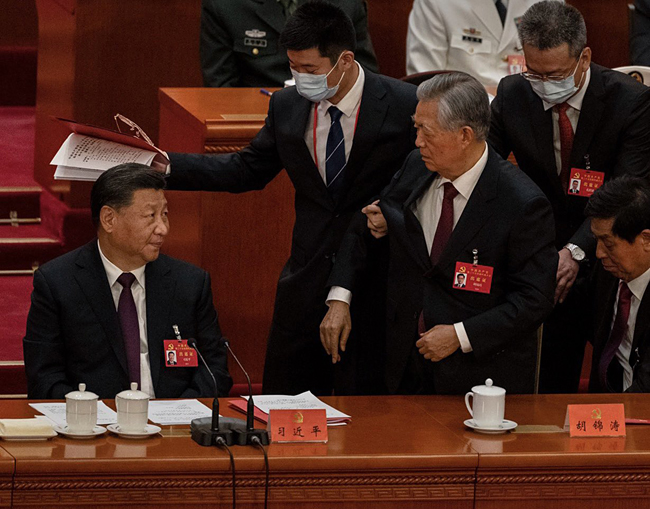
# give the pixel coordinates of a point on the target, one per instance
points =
(438, 343)
(567, 271)
(376, 221)
(335, 329)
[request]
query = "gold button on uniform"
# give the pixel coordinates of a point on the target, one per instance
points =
(255, 51)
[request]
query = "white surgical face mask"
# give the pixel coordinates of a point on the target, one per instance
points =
(314, 86)
(557, 92)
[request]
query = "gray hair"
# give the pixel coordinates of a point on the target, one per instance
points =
(462, 101)
(549, 24)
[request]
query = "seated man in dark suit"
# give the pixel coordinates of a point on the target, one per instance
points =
(620, 311)
(562, 117)
(101, 313)
(456, 206)
(340, 134)
(240, 40)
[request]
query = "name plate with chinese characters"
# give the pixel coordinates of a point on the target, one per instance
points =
(298, 425)
(595, 420)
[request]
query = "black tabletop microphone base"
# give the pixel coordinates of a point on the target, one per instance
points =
(245, 436)
(203, 434)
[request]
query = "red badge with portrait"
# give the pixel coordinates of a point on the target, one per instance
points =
(178, 354)
(473, 278)
(584, 182)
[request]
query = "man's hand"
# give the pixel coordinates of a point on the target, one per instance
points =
(567, 271)
(438, 343)
(376, 222)
(335, 329)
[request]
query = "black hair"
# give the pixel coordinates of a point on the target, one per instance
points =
(322, 25)
(626, 200)
(115, 187)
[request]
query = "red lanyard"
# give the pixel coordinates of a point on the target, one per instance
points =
(356, 121)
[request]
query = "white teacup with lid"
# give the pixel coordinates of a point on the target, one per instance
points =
(488, 404)
(132, 410)
(81, 410)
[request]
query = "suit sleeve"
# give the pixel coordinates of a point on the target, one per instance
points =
(43, 346)
(633, 158)
(497, 137)
(531, 267)
(251, 168)
(218, 60)
(365, 53)
(640, 34)
(427, 43)
(209, 340)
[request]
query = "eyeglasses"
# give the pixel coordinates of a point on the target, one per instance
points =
(531, 76)
(139, 133)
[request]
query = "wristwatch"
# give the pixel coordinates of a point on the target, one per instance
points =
(576, 252)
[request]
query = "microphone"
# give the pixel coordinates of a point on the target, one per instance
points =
(249, 436)
(205, 430)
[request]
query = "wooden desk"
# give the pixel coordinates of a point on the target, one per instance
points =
(553, 470)
(392, 455)
(242, 240)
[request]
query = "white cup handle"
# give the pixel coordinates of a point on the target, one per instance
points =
(469, 408)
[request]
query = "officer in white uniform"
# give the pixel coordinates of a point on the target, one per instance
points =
(466, 35)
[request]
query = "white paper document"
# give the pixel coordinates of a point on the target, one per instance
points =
(56, 413)
(181, 411)
(303, 401)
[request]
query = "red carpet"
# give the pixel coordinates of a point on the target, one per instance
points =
(14, 305)
(17, 146)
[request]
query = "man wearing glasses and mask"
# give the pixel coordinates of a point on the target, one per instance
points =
(340, 134)
(567, 118)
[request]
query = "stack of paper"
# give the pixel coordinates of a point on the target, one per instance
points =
(56, 413)
(182, 411)
(303, 401)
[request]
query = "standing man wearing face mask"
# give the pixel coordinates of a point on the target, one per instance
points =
(568, 118)
(340, 134)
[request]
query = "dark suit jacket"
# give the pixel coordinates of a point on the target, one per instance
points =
(613, 129)
(510, 222)
(640, 33)
(602, 292)
(73, 332)
(383, 138)
(227, 61)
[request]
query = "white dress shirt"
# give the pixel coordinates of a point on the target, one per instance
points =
(139, 296)
(637, 287)
(349, 106)
(573, 113)
(427, 210)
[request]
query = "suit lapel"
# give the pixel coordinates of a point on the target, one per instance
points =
(642, 321)
(412, 225)
(91, 276)
(589, 120)
(477, 212)
(160, 287)
(270, 11)
(604, 323)
(487, 13)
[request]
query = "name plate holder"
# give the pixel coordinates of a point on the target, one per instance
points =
(594, 420)
(298, 426)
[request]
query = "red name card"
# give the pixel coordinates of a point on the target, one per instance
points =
(584, 182)
(298, 425)
(178, 354)
(595, 420)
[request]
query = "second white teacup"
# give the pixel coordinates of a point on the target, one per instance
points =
(488, 405)
(81, 410)
(132, 410)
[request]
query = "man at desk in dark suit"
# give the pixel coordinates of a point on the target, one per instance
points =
(101, 313)
(620, 312)
(456, 206)
(240, 40)
(562, 117)
(341, 134)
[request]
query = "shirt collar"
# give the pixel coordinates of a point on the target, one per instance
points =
(575, 101)
(466, 183)
(638, 285)
(349, 103)
(113, 271)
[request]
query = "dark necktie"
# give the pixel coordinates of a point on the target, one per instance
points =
(616, 336)
(443, 232)
(128, 316)
(335, 154)
(502, 10)
(566, 143)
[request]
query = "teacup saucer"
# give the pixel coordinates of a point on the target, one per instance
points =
(505, 426)
(148, 431)
(65, 431)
